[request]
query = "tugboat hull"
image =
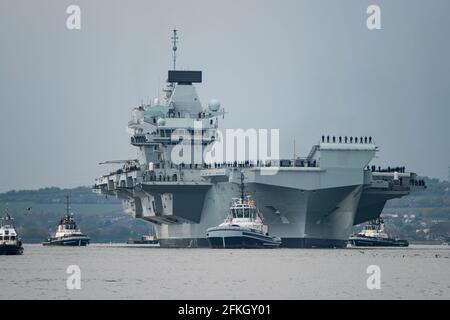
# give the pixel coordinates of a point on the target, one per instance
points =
(374, 242)
(68, 242)
(231, 238)
(7, 249)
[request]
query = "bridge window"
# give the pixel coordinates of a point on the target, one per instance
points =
(238, 213)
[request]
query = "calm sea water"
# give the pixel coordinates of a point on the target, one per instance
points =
(114, 272)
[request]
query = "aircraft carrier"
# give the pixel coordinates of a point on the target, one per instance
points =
(312, 201)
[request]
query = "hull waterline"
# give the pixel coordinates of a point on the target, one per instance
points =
(373, 242)
(69, 242)
(235, 239)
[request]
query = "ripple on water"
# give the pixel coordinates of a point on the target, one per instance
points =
(121, 273)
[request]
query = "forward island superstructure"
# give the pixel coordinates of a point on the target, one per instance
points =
(310, 202)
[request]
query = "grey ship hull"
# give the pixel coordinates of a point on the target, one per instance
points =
(306, 220)
(317, 218)
(297, 225)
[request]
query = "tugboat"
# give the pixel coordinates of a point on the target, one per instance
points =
(374, 235)
(67, 234)
(10, 243)
(150, 240)
(243, 227)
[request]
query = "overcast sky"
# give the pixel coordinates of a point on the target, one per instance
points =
(306, 67)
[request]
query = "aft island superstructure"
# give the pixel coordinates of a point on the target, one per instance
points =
(309, 202)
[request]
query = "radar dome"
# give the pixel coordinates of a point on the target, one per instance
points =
(161, 122)
(214, 105)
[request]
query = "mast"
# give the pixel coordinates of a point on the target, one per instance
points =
(174, 48)
(295, 151)
(242, 187)
(67, 205)
(7, 216)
